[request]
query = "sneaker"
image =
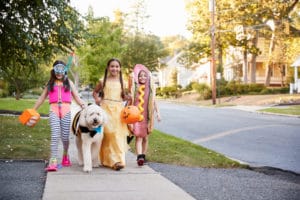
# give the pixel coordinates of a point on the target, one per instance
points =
(52, 167)
(66, 161)
(140, 162)
(140, 159)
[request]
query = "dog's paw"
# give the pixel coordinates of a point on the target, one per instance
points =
(87, 170)
(96, 165)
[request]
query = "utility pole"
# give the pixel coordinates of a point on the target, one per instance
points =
(213, 61)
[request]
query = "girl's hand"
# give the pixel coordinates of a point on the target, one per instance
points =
(98, 100)
(158, 117)
(83, 106)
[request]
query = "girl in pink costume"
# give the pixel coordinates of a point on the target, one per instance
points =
(60, 91)
(142, 129)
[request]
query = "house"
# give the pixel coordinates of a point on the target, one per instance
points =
(185, 75)
(201, 73)
(173, 68)
(233, 65)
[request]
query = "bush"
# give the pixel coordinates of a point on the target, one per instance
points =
(254, 87)
(168, 92)
(3, 93)
(283, 90)
(203, 90)
(189, 87)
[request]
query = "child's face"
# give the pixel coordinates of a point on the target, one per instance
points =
(59, 76)
(114, 68)
(142, 77)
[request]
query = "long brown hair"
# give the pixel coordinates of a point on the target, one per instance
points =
(53, 78)
(101, 94)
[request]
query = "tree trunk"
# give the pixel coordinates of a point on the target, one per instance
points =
(220, 59)
(245, 68)
(17, 93)
(253, 60)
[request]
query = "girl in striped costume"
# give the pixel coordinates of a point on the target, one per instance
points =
(60, 91)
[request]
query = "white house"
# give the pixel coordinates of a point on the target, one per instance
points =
(196, 73)
(201, 73)
(172, 66)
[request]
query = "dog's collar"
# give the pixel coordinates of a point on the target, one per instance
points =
(98, 129)
(93, 132)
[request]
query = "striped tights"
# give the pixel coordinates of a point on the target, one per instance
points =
(60, 129)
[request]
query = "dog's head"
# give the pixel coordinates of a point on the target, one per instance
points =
(92, 116)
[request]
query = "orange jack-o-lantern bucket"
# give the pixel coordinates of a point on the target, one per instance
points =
(29, 117)
(130, 114)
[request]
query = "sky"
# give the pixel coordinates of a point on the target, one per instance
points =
(167, 17)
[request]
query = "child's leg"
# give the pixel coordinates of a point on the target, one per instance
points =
(145, 145)
(139, 150)
(138, 145)
(65, 131)
(65, 127)
(55, 132)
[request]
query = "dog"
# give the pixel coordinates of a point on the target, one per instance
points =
(87, 125)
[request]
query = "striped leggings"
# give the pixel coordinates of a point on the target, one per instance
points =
(60, 129)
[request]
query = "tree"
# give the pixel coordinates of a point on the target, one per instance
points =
(104, 40)
(143, 49)
(276, 13)
(32, 32)
(252, 16)
(198, 24)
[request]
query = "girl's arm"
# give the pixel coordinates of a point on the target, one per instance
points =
(41, 99)
(96, 91)
(75, 95)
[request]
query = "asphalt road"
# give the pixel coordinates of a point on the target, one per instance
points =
(254, 138)
(22, 179)
(233, 184)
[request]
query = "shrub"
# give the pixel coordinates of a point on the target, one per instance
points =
(203, 90)
(167, 92)
(254, 87)
(3, 93)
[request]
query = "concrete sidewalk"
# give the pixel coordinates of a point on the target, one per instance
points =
(132, 182)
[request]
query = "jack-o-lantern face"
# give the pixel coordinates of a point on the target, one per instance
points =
(130, 114)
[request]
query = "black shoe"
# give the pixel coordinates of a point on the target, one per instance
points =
(140, 159)
(129, 138)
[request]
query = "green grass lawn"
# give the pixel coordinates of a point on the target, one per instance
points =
(22, 142)
(22, 104)
(289, 110)
(164, 148)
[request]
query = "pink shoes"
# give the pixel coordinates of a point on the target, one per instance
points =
(52, 167)
(66, 161)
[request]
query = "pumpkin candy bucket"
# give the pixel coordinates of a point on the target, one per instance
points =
(130, 114)
(29, 117)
